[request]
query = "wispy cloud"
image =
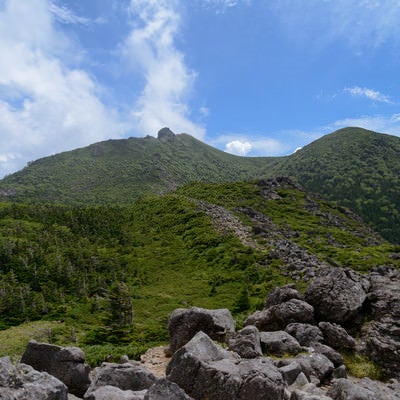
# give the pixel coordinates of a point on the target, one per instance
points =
(369, 94)
(151, 50)
(45, 105)
(66, 16)
(361, 24)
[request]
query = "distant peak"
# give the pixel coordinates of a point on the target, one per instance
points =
(165, 134)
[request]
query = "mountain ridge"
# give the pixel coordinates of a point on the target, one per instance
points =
(357, 168)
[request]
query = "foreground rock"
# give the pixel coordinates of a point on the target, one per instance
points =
(126, 377)
(22, 382)
(183, 324)
(338, 296)
(247, 342)
(278, 316)
(366, 389)
(279, 343)
(206, 371)
(65, 363)
(383, 345)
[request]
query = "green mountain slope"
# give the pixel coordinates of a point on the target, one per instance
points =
(357, 168)
(120, 171)
(209, 245)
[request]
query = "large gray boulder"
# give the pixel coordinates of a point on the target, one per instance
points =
(279, 343)
(164, 389)
(206, 371)
(366, 389)
(305, 334)
(336, 336)
(383, 345)
(328, 352)
(384, 295)
(338, 296)
(278, 316)
(65, 363)
(22, 382)
(247, 342)
(184, 323)
(282, 294)
(316, 367)
(126, 376)
(114, 393)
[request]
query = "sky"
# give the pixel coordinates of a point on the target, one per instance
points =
(250, 77)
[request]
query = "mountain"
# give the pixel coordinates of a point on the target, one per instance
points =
(80, 270)
(120, 171)
(357, 168)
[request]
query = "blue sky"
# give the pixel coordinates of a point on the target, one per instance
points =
(251, 77)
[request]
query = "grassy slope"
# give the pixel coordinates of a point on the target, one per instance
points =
(167, 251)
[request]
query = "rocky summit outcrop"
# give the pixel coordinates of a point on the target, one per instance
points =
(22, 382)
(65, 363)
(183, 324)
(207, 371)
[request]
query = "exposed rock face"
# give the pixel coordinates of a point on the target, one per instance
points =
(336, 336)
(65, 363)
(22, 382)
(279, 343)
(183, 324)
(305, 334)
(247, 342)
(205, 370)
(316, 367)
(122, 376)
(278, 316)
(338, 296)
(328, 352)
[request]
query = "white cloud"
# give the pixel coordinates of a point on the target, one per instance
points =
(378, 123)
(238, 147)
(150, 49)
(369, 94)
(66, 16)
(45, 106)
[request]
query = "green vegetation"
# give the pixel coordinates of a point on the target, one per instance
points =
(359, 366)
(107, 278)
(356, 168)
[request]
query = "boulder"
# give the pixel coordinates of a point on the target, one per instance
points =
(165, 389)
(114, 393)
(183, 324)
(384, 295)
(309, 392)
(338, 296)
(336, 336)
(305, 334)
(247, 342)
(205, 370)
(278, 316)
(126, 376)
(279, 343)
(316, 367)
(328, 352)
(282, 294)
(22, 382)
(366, 389)
(65, 363)
(290, 372)
(383, 345)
